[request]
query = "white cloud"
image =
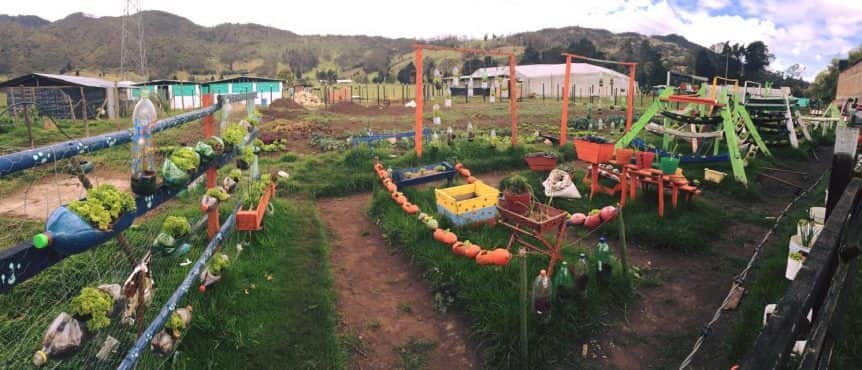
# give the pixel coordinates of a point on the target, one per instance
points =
(797, 32)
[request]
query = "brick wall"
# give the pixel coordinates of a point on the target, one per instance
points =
(850, 83)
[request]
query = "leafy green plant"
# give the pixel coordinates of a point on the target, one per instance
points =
(176, 226)
(218, 193)
(235, 174)
(234, 134)
(104, 205)
(254, 193)
(186, 159)
(175, 324)
(516, 184)
(219, 262)
(248, 155)
(94, 303)
(216, 143)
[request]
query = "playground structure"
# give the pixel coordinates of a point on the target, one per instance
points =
(709, 119)
(775, 116)
(420, 100)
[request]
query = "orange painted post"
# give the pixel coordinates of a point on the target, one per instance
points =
(513, 105)
(209, 130)
(564, 117)
(631, 96)
(419, 102)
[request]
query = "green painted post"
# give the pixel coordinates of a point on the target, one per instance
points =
(732, 142)
(644, 119)
(624, 250)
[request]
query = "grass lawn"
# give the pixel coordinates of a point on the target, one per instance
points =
(275, 307)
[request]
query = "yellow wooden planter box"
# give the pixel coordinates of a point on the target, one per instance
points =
(485, 196)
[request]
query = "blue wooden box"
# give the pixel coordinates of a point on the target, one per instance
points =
(402, 179)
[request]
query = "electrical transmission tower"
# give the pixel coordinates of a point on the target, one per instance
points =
(133, 55)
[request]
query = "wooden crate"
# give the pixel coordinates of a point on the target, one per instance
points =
(251, 219)
(479, 208)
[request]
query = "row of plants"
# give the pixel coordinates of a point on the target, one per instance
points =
(494, 309)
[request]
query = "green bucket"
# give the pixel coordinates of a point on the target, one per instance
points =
(668, 165)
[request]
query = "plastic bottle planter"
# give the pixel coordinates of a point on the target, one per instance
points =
(146, 183)
(669, 165)
(251, 219)
(541, 161)
(67, 233)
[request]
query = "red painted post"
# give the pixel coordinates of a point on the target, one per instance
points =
(513, 106)
(419, 102)
(564, 117)
(209, 130)
(630, 97)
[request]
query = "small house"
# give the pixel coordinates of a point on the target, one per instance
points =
(64, 97)
(179, 94)
(267, 89)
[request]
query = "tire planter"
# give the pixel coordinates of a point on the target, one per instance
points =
(251, 219)
(541, 161)
(594, 152)
(69, 234)
(146, 184)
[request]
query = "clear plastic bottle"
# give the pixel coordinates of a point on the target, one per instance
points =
(564, 285)
(582, 275)
(471, 133)
(225, 115)
(543, 292)
(144, 118)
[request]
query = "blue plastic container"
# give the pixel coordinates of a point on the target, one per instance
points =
(70, 234)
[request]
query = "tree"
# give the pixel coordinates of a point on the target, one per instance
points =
(407, 75)
(703, 64)
(328, 76)
(585, 47)
(471, 65)
(651, 69)
(229, 56)
(300, 61)
(824, 87)
(757, 58)
(553, 56)
(287, 76)
(530, 56)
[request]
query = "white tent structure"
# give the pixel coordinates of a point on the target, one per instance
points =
(536, 80)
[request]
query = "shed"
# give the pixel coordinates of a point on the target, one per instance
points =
(180, 94)
(538, 79)
(62, 96)
(267, 89)
(849, 83)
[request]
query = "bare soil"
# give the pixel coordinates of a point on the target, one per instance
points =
(351, 108)
(38, 200)
(382, 300)
(659, 330)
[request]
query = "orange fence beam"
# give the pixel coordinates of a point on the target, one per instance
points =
(420, 102)
(630, 97)
(564, 116)
(513, 102)
(209, 130)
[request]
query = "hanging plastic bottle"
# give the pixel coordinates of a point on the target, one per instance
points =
(563, 283)
(144, 119)
(603, 259)
(493, 134)
(435, 136)
(436, 114)
(601, 124)
(543, 292)
(225, 116)
(471, 134)
(450, 134)
(582, 275)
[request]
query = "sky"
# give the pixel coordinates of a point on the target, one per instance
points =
(809, 32)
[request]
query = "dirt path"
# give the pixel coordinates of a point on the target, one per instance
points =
(659, 329)
(39, 199)
(384, 305)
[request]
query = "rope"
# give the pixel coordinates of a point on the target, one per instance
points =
(739, 278)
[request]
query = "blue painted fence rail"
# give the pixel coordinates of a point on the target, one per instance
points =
(159, 321)
(19, 161)
(23, 261)
(426, 133)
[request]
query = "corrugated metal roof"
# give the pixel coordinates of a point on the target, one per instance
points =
(78, 80)
(545, 70)
(47, 79)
